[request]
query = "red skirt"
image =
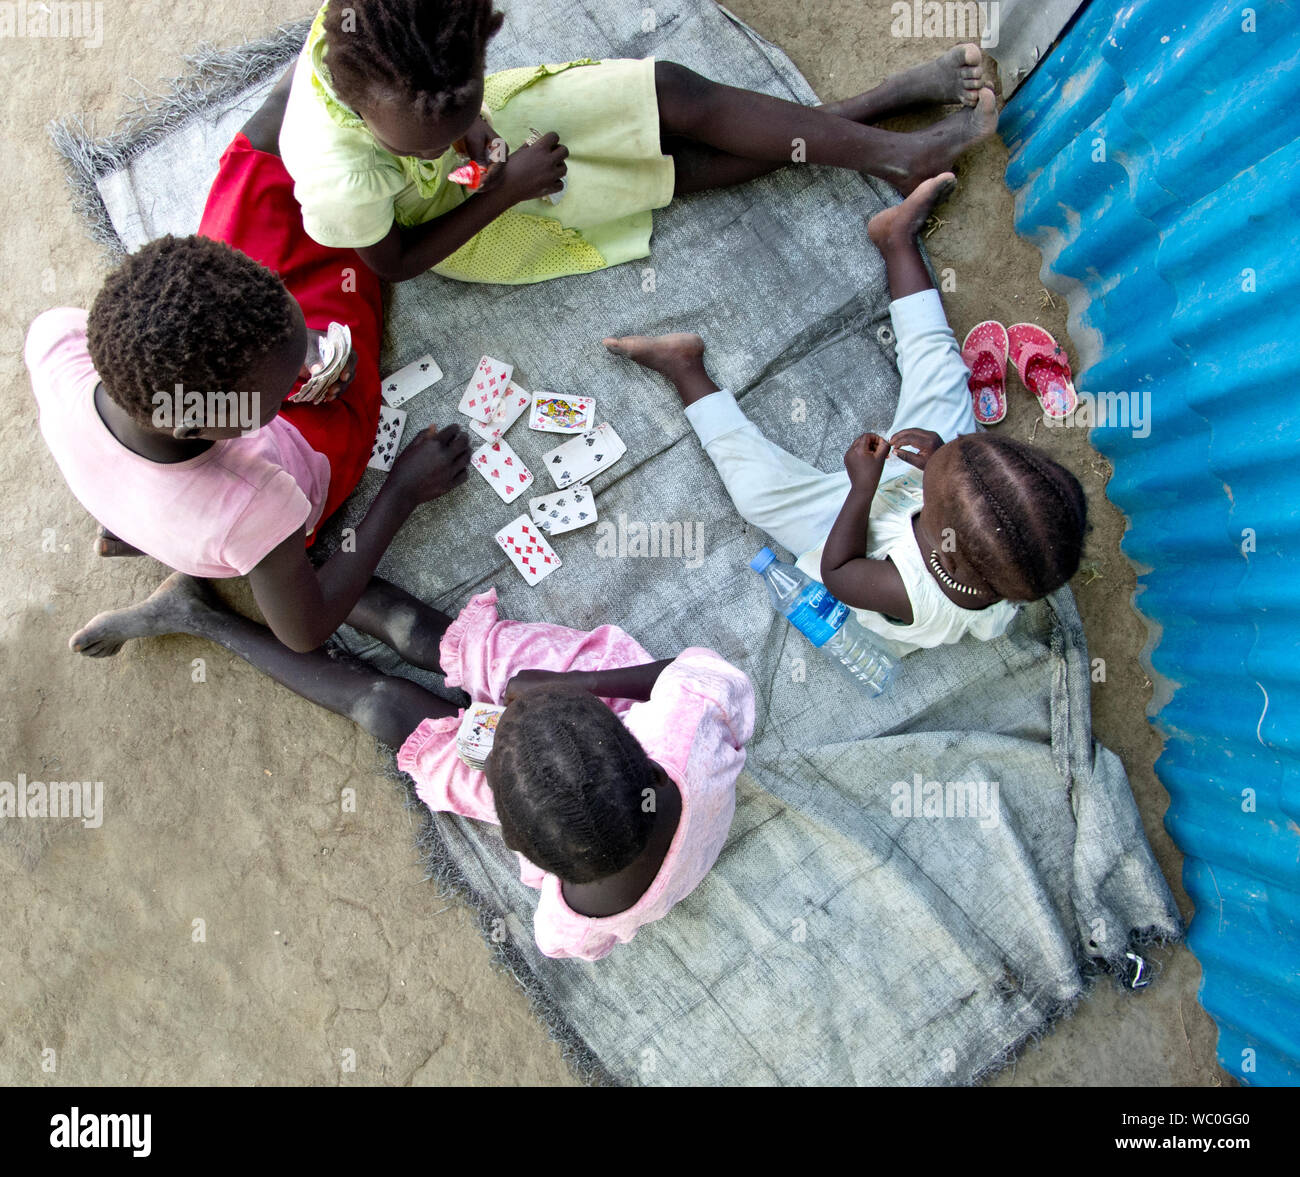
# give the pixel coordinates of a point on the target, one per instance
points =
(251, 207)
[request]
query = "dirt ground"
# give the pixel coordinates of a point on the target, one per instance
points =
(226, 925)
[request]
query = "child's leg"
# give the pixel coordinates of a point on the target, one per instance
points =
(402, 622)
(760, 127)
(107, 544)
(953, 77)
(388, 707)
(795, 503)
(934, 394)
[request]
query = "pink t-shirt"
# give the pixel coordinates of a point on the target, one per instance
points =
(217, 514)
(695, 725)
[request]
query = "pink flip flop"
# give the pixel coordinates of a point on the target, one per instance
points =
(1044, 367)
(985, 352)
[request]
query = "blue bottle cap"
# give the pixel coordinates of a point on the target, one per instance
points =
(760, 562)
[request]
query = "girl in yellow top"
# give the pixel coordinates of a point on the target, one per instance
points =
(387, 92)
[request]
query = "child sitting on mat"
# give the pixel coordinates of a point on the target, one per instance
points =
(923, 560)
(210, 314)
(385, 89)
(612, 775)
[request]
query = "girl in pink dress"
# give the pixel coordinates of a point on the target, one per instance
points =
(612, 775)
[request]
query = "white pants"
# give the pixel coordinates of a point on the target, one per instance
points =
(797, 504)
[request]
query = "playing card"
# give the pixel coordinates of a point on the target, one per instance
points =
(555, 412)
(502, 468)
(414, 378)
(477, 731)
(387, 437)
(485, 388)
(581, 458)
(566, 510)
(527, 549)
(509, 408)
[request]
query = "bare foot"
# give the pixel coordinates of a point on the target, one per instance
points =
(175, 606)
(956, 76)
(936, 148)
(665, 354)
(109, 545)
(901, 223)
(679, 357)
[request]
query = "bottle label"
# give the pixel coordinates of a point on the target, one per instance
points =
(817, 615)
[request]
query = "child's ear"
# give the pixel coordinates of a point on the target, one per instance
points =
(186, 432)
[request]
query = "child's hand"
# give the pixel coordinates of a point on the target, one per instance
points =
(866, 458)
(483, 144)
(924, 441)
(433, 463)
(536, 170)
(342, 382)
(527, 680)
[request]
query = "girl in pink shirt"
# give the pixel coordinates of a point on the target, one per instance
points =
(612, 775)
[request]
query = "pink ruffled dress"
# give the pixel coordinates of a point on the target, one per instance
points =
(695, 725)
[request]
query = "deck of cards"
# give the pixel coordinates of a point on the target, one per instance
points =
(329, 353)
(478, 729)
(581, 458)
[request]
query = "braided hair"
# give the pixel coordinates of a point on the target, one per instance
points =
(431, 52)
(568, 780)
(1021, 516)
(184, 310)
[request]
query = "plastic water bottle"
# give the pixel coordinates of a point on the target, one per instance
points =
(827, 623)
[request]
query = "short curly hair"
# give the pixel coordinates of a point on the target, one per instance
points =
(432, 52)
(184, 310)
(569, 783)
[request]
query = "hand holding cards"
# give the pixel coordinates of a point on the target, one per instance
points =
(478, 728)
(328, 356)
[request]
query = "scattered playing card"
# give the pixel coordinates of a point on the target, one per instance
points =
(485, 388)
(528, 550)
(566, 510)
(554, 412)
(512, 403)
(581, 458)
(502, 468)
(414, 378)
(387, 437)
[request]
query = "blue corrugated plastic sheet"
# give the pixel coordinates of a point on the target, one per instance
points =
(1155, 155)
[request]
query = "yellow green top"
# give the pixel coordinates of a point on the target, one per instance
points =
(351, 190)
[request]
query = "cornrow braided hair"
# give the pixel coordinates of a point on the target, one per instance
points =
(184, 310)
(430, 52)
(567, 778)
(1022, 516)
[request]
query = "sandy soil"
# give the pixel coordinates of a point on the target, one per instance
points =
(319, 945)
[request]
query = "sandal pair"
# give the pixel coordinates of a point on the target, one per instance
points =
(1043, 366)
